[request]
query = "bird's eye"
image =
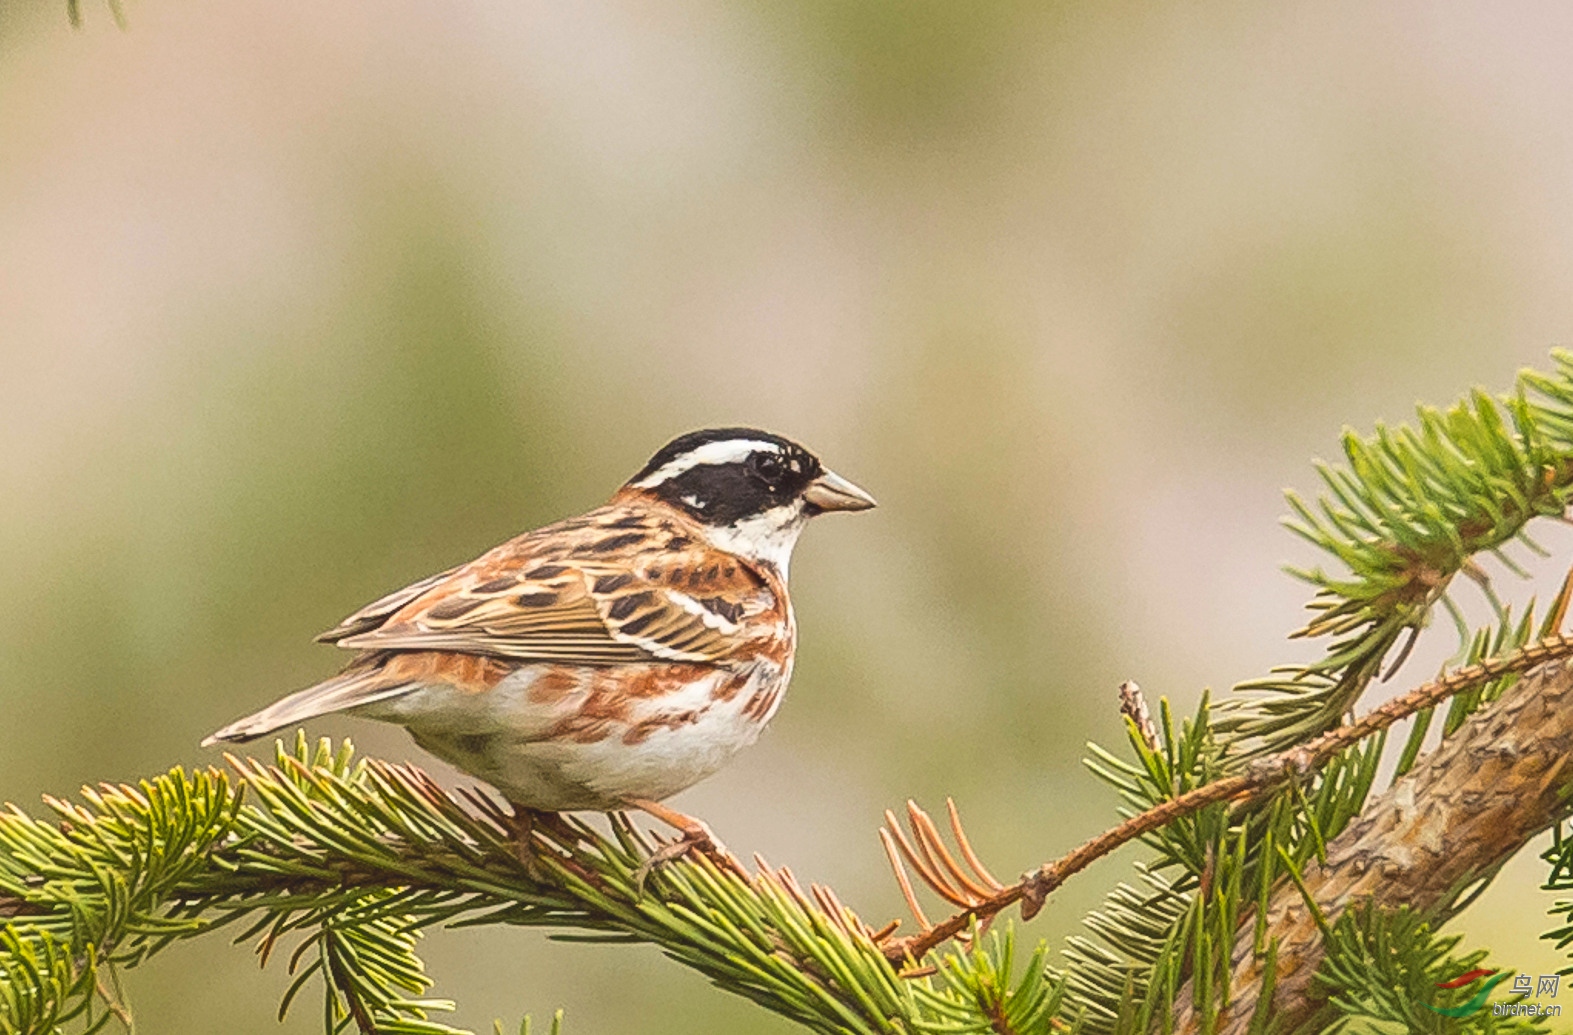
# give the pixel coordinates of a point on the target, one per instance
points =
(768, 468)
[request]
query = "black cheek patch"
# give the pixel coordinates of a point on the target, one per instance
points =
(717, 494)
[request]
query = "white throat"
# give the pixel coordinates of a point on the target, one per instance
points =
(767, 537)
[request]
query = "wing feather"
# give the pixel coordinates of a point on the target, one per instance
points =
(561, 595)
(375, 613)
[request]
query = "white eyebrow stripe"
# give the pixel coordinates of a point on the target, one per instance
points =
(726, 452)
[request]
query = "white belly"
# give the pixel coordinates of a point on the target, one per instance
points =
(583, 751)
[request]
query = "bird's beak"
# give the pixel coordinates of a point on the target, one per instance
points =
(830, 491)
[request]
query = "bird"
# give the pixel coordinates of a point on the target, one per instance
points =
(607, 661)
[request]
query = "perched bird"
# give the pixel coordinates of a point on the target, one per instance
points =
(607, 661)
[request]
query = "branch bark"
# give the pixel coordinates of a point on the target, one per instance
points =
(1450, 822)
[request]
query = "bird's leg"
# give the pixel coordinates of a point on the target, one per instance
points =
(697, 837)
(525, 820)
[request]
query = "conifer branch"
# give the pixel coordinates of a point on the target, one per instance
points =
(1262, 779)
(1410, 509)
(1425, 846)
(352, 859)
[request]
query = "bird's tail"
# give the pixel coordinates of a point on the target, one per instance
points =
(346, 690)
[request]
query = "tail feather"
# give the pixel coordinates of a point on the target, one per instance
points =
(348, 690)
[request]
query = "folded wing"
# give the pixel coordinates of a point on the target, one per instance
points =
(580, 602)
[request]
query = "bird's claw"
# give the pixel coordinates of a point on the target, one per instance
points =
(697, 838)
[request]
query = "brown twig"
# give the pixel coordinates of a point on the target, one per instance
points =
(1258, 780)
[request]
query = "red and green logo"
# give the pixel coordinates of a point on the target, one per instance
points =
(1478, 1002)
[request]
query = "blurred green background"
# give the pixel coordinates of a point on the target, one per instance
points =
(302, 301)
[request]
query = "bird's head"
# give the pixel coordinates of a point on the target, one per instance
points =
(750, 490)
